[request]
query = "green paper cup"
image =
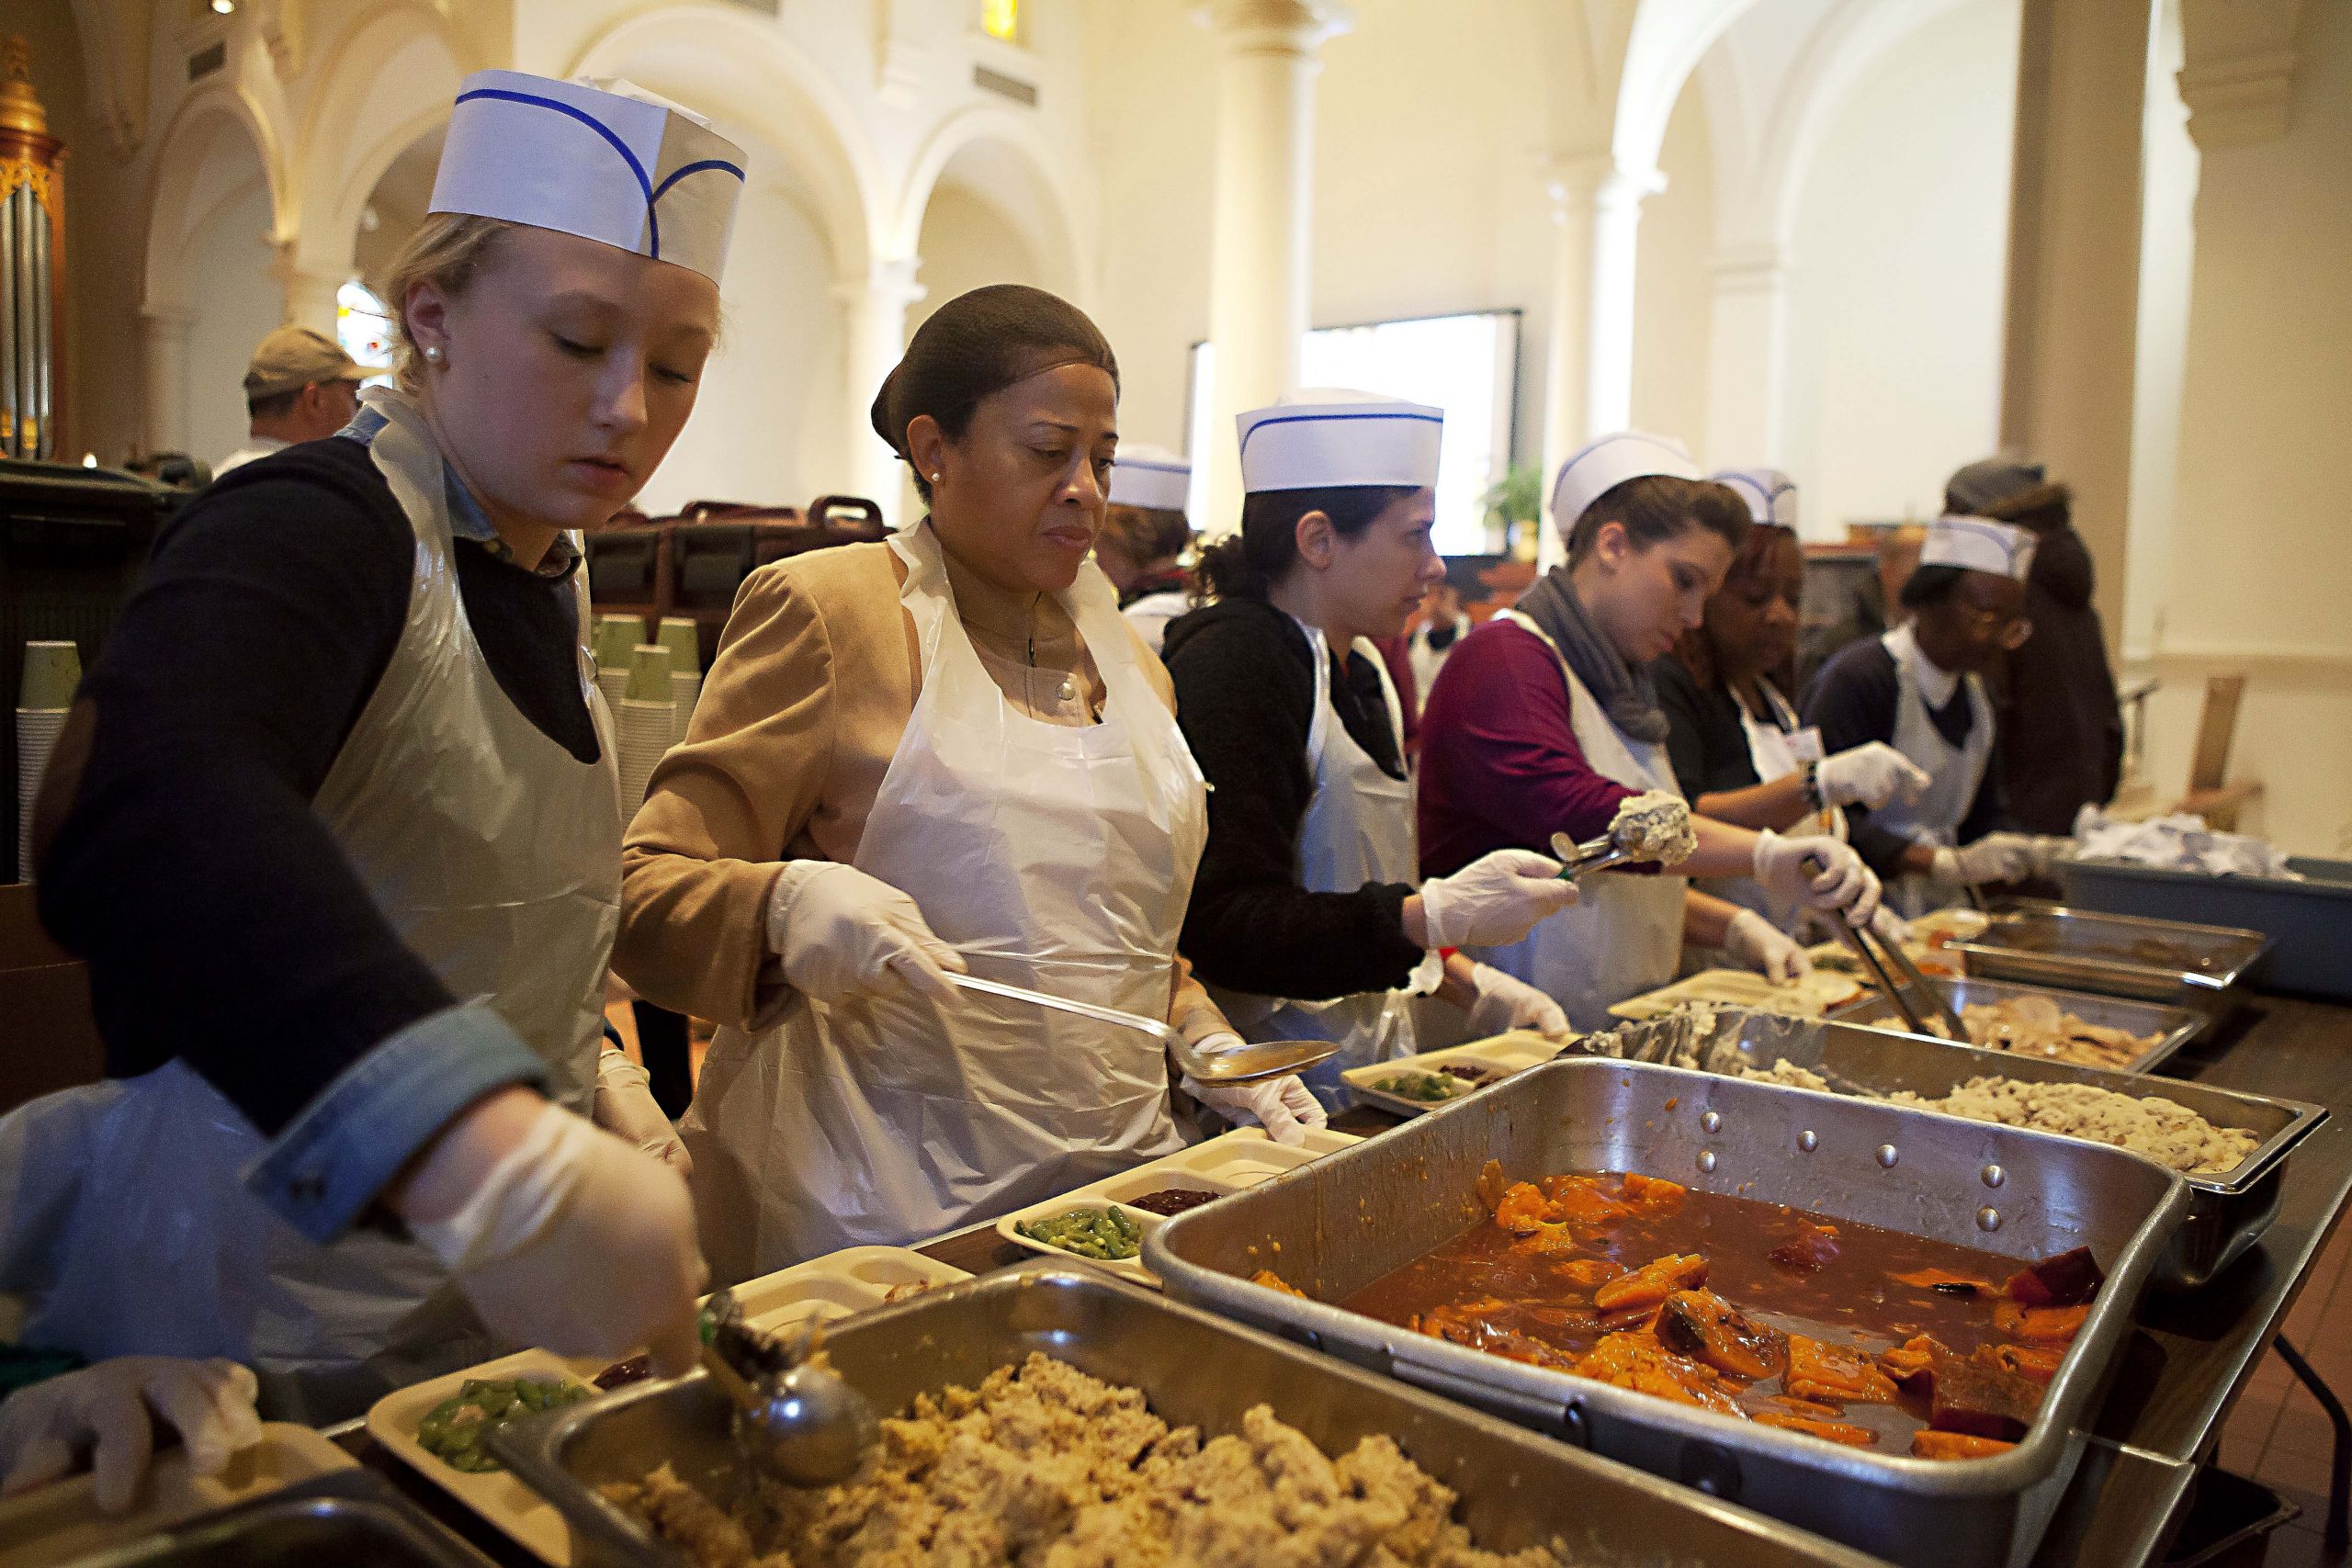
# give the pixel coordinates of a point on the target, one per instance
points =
(52, 670)
(686, 647)
(649, 673)
(617, 637)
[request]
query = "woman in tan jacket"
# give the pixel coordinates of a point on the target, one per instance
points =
(943, 754)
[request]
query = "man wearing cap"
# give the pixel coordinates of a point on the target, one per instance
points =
(1920, 688)
(336, 826)
(2062, 729)
(299, 386)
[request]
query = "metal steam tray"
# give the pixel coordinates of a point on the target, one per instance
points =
(2120, 955)
(1197, 1369)
(2173, 1027)
(2228, 1210)
(1336, 1226)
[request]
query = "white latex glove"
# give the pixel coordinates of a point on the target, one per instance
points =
(576, 1242)
(1817, 872)
(1870, 776)
(626, 1107)
(1284, 1107)
(1495, 900)
(1891, 928)
(840, 933)
(1996, 857)
(1505, 1002)
(110, 1409)
(1765, 948)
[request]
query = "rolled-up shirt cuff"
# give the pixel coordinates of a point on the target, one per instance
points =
(331, 1161)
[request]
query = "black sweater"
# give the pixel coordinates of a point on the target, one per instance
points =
(1245, 697)
(221, 922)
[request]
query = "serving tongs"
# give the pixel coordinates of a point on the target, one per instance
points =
(1617, 847)
(794, 1414)
(1238, 1064)
(1880, 956)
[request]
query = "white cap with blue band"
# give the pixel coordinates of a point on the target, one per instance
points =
(1328, 438)
(1772, 495)
(1978, 544)
(606, 160)
(1610, 462)
(1150, 477)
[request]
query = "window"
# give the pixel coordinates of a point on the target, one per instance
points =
(1466, 365)
(1001, 20)
(364, 328)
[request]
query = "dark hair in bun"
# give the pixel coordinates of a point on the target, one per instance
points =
(977, 344)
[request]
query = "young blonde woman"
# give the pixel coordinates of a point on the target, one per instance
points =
(338, 829)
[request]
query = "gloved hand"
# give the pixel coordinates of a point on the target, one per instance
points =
(1891, 928)
(1765, 948)
(840, 933)
(2047, 851)
(109, 1408)
(1996, 857)
(576, 1242)
(1505, 1001)
(625, 1108)
(1870, 776)
(1284, 1107)
(1818, 872)
(1493, 901)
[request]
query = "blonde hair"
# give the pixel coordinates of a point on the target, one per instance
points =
(447, 251)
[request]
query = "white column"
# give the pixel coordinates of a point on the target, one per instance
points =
(1263, 217)
(1589, 373)
(1747, 356)
(163, 353)
(308, 294)
(874, 335)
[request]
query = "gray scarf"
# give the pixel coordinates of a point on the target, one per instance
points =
(1627, 695)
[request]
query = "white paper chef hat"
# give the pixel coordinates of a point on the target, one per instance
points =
(604, 160)
(1150, 477)
(1325, 436)
(1979, 544)
(1772, 495)
(1610, 462)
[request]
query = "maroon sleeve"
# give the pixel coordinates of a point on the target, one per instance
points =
(1501, 764)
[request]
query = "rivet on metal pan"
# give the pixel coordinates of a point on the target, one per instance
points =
(1712, 1122)
(1993, 1176)
(1707, 1159)
(1808, 1140)
(1887, 1155)
(1988, 1218)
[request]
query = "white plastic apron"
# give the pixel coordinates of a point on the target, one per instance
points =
(1358, 828)
(1624, 936)
(495, 855)
(1054, 858)
(1953, 773)
(1774, 750)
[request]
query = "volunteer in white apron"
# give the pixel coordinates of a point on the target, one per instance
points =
(1920, 688)
(1306, 923)
(1145, 535)
(1545, 720)
(1738, 749)
(377, 995)
(943, 753)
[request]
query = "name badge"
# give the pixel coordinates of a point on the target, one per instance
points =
(1804, 745)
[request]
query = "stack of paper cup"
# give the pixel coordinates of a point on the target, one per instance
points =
(52, 671)
(679, 636)
(645, 722)
(617, 640)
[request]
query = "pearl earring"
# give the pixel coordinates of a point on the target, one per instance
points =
(936, 478)
(433, 354)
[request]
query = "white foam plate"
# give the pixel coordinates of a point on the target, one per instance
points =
(1504, 1054)
(1811, 996)
(839, 1284)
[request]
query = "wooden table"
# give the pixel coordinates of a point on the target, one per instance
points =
(2186, 1362)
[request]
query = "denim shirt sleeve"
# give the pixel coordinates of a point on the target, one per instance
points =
(331, 1161)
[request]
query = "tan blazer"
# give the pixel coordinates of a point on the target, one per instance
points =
(805, 706)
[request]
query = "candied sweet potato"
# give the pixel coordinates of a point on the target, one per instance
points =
(1654, 1281)
(1654, 1193)
(1706, 1327)
(1932, 1444)
(1912, 1363)
(1943, 1281)
(1524, 1211)
(1840, 1373)
(1274, 1281)
(2038, 1362)
(1981, 1397)
(1639, 1362)
(2067, 1279)
(2050, 1326)
(1588, 1273)
(1813, 1246)
(1844, 1432)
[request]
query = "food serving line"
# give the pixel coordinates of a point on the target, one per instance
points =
(2178, 1364)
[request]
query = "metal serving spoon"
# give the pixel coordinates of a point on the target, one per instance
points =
(1241, 1064)
(792, 1414)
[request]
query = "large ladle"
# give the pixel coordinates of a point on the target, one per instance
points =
(1240, 1064)
(794, 1414)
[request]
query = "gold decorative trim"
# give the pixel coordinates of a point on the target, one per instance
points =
(14, 172)
(19, 106)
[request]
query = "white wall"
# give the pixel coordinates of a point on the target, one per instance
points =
(1897, 257)
(2167, 240)
(2261, 558)
(968, 244)
(231, 246)
(1674, 288)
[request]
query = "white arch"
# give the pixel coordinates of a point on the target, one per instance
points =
(188, 145)
(742, 71)
(1667, 40)
(1036, 191)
